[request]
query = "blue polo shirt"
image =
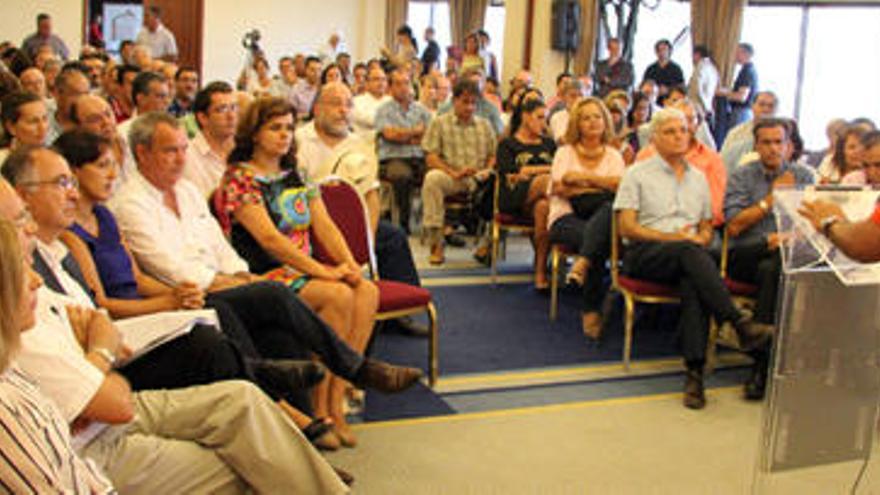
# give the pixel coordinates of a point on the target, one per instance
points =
(752, 182)
(663, 201)
(392, 114)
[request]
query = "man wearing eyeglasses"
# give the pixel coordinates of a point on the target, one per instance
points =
(216, 112)
(94, 114)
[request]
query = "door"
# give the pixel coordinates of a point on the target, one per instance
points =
(185, 19)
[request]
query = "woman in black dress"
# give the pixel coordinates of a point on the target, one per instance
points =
(524, 159)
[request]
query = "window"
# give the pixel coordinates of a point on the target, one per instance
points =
(422, 15)
(841, 72)
(775, 33)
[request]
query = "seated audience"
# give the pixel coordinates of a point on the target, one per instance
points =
(400, 124)
(33, 81)
(484, 109)
(70, 84)
(523, 159)
(586, 173)
(331, 73)
(847, 157)
(869, 174)
(92, 113)
(284, 84)
(667, 244)
(740, 140)
(307, 88)
(149, 93)
(428, 88)
(25, 120)
(271, 215)
(572, 92)
(460, 152)
(326, 147)
(36, 447)
(120, 98)
(216, 113)
(558, 101)
(186, 85)
(748, 204)
(700, 157)
(366, 105)
(639, 115)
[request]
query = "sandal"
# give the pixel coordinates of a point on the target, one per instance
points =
(320, 433)
(345, 435)
(592, 326)
(483, 255)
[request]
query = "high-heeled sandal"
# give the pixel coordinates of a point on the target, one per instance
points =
(345, 436)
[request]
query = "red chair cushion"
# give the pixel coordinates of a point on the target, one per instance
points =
(395, 296)
(508, 219)
(738, 288)
(645, 287)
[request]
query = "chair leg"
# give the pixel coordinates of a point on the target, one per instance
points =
(711, 354)
(433, 346)
(628, 317)
(496, 236)
(554, 282)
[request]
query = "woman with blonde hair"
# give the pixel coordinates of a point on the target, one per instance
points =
(585, 174)
(34, 437)
(271, 214)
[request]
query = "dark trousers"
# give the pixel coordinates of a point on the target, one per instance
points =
(403, 174)
(393, 256)
(202, 356)
(755, 264)
(592, 239)
(268, 319)
(693, 270)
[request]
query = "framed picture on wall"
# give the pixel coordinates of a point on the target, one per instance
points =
(122, 21)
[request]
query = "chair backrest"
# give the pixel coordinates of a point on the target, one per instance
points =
(347, 209)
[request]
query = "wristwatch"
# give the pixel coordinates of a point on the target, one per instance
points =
(105, 354)
(826, 223)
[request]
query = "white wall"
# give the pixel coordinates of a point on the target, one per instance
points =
(19, 20)
(287, 27)
(545, 63)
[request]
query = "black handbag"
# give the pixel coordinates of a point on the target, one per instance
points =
(584, 205)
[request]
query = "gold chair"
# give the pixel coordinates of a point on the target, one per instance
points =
(503, 222)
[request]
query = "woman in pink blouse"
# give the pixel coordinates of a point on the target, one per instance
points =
(585, 174)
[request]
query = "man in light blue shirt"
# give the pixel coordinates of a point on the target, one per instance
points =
(740, 140)
(665, 213)
(401, 123)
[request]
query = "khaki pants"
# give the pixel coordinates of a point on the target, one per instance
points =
(437, 186)
(226, 437)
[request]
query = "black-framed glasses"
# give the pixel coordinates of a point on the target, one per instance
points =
(66, 182)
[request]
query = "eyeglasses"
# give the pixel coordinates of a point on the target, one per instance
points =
(65, 182)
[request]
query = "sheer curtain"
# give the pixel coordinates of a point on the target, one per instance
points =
(583, 57)
(717, 24)
(394, 18)
(466, 16)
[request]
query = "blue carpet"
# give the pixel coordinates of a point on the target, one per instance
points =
(485, 329)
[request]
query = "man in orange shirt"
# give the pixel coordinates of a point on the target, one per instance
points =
(702, 158)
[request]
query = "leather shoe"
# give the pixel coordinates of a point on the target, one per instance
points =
(408, 326)
(756, 385)
(385, 377)
(694, 395)
(282, 376)
(752, 335)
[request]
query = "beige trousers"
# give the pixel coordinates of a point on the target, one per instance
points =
(226, 437)
(436, 187)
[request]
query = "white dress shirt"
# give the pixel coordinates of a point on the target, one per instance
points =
(161, 41)
(51, 356)
(190, 247)
(703, 83)
(364, 115)
(204, 168)
(559, 124)
(352, 159)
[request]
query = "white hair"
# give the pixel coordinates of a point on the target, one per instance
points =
(665, 115)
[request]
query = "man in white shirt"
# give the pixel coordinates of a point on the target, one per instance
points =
(572, 92)
(172, 235)
(703, 82)
(147, 441)
(156, 36)
(216, 112)
(739, 144)
(326, 147)
(366, 105)
(149, 93)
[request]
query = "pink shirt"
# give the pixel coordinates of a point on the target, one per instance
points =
(702, 158)
(854, 178)
(566, 160)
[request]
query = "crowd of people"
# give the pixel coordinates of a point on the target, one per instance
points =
(129, 189)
